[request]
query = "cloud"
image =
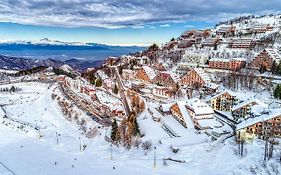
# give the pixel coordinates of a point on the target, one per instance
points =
(164, 25)
(189, 26)
(127, 13)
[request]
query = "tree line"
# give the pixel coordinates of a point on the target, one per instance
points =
(59, 71)
(11, 89)
(126, 132)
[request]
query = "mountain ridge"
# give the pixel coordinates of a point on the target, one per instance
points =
(18, 63)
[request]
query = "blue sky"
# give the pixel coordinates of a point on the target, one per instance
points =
(119, 22)
(145, 35)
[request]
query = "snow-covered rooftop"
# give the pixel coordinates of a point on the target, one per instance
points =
(185, 114)
(202, 74)
(264, 117)
(149, 71)
(246, 102)
(199, 107)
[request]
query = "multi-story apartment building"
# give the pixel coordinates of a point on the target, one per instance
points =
(266, 58)
(269, 123)
(195, 78)
(223, 101)
(229, 64)
(145, 74)
(241, 43)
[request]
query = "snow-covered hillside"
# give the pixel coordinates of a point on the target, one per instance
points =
(58, 149)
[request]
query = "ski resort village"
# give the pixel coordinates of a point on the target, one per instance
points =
(207, 102)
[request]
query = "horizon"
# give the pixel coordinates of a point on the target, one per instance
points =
(121, 23)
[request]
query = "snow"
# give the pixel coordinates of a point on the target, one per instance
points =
(185, 114)
(149, 71)
(209, 123)
(203, 75)
(166, 107)
(109, 100)
(8, 71)
(268, 115)
(199, 107)
(31, 155)
(248, 101)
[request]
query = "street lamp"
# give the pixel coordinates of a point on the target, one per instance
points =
(111, 157)
(57, 138)
(80, 140)
(154, 164)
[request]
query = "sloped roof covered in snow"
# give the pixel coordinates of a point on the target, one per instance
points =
(246, 102)
(199, 107)
(202, 74)
(185, 114)
(166, 107)
(149, 71)
(173, 75)
(220, 94)
(264, 117)
(275, 55)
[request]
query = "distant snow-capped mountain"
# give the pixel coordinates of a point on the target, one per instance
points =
(46, 43)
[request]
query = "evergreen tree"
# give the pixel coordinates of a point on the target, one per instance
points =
(136, 127)
(114, 128)
(278, 71)
(12, 89)
(115, 90)
(273, 67)
(262, 69)
(134, 124)
(99, 82)
(277, 92)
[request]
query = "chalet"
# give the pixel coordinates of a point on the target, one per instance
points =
(126, 59)
(146, 74)
(223, 101)
(159, 66)
(167, 79)
(211, 42)
(229, 64)
(241, 43)
(202, 114)
(193, 58)
(211, 88)
(142, 60)
(266, 59)
(164, 92)
(128, 74)
(199, 109)
(260, 28)
(269, 121)
(179, 112)
(194, 34)
(243, 109)
(186, 43)
(195, 78)
(226, 31)
(165, 108)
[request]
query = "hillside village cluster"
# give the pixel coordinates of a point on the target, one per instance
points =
(185, 78)
(218, 82)
(194, 78)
